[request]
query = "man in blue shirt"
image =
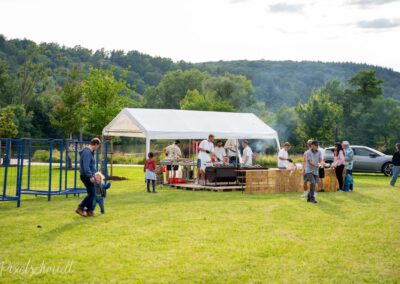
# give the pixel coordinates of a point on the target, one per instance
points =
(87, 171)
(348, 157)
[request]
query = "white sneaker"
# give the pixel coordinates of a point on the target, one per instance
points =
(305, 194)
(315, 195)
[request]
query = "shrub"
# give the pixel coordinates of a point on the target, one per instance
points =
(44, 156)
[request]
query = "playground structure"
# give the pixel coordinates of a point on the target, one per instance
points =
(44, 167)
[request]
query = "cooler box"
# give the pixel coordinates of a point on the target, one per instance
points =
(177, 180)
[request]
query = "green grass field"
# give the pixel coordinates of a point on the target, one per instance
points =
(205, 237)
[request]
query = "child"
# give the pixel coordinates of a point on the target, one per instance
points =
(100, 191)
(159, 176)
(149, 169)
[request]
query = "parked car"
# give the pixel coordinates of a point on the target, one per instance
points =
(366, 160)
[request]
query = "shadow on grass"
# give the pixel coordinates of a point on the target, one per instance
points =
(65, 228)
(332, 203)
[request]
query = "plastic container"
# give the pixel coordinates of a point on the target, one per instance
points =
(177, 180)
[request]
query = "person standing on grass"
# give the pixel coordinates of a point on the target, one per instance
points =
(306, 181)
(231, 145)
(283, 157)
(206, 149)
(150, 170)
(348, 158)
(247, 154)
(173, 153)
(313, 161)
(87, 171)
(100, 189)
(338, 164)
(396, 165)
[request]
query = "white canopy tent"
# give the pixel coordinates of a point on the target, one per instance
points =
(186, 124)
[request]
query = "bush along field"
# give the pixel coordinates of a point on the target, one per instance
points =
(180, 236)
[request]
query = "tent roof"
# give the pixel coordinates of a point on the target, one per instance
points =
(187, 124)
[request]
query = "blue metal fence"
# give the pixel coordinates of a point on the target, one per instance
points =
(10, 169)
(44, 167)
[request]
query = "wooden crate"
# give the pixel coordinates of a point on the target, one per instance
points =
(278, 181)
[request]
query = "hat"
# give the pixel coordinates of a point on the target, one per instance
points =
(345, 143)
(314, 142)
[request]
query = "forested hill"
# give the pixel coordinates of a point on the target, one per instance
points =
(275, 82)
(289, 82)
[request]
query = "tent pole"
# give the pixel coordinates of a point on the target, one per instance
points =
(278, 145)
(147, 146)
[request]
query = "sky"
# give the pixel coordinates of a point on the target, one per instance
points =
(361, 31)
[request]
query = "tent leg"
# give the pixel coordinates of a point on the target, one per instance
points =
(147, 146)
(278, 145)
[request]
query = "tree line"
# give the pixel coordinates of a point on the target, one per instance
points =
(52, 91)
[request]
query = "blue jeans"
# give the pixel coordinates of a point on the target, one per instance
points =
(233, 160)
(99, 200)
(88, 200)
(348, 181)
(396, 173)
(153, 184)
(313, 179)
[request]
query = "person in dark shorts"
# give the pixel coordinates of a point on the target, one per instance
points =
(321, 172)
(305, 178)
(173, 153)
(313, 161)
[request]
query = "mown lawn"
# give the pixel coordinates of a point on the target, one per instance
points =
(205, 237)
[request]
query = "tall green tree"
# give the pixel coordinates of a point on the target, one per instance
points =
(319, 117)
(8, 129)
(195, 101)
(104, 97)
(23, 120)
(31, 77)
(6, 84)
(381, 123)
(173, 88)
(366, 86)
(234, 89)
(69, 109)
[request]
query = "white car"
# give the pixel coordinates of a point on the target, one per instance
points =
(366, 160)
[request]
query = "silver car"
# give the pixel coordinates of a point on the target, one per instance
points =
(366, 160)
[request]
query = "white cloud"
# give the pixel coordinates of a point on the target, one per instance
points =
(379, 23)
(210, 30)
(286, 8)
(367, 3)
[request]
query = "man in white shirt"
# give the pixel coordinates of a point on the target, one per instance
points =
(231, 146)
(206, 148)
(283, 157)
(173, 153)
(247, 159)
(219, 152)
